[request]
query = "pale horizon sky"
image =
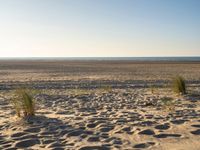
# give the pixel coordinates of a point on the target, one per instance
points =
(103, 28)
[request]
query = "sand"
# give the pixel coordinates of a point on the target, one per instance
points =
(101, 105)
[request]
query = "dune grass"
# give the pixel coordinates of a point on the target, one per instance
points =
(179, 85)
(23, 102)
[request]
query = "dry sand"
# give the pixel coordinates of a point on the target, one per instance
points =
(101, 105)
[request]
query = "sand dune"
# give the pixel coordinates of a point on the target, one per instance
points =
(110, 106)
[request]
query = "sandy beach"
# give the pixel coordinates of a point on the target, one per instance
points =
(101, 105)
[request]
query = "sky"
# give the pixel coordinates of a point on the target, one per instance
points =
(99, 28)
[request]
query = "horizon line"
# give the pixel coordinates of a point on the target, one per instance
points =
(97, 56)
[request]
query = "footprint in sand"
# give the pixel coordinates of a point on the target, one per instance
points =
(167, 135)
(104, 135)
(94, 148)
(106, 129)
(196, 132)
(33, 130)
(55, 145)
(93, 139)
(144, 145)
(178, 121)
(28, 136)
(148, 123)
(196, 125)
(5, 144)
(19, 134)
(27, 143)
(162, 126)
(75, 133)
(147, 132)
(92, 125)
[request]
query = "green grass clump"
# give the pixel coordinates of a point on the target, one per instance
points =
(179, 85)
(23, 102)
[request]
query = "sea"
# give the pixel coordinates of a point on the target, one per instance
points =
(190, 59)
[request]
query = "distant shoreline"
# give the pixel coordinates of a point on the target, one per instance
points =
(137, 59)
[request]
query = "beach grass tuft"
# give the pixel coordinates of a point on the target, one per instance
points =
(179, 85)
(23, 102)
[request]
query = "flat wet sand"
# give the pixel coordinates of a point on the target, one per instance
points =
(101, 105)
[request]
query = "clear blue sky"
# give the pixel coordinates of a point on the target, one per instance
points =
(75, 28)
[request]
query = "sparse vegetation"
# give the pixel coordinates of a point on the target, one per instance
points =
(106, 88)
(78, 91)
(152, 89)
(179, 85)
(23, 102)
(168, 103)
